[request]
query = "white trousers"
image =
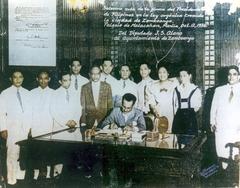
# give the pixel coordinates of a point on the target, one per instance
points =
(13, 168)
(36, 173)
(223, 136)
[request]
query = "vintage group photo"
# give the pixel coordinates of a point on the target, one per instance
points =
(119, 93)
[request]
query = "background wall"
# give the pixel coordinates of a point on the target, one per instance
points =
(84, 34)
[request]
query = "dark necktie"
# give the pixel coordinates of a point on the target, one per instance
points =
(231, 95)
(76, 83)
(20, 99)
(145, 94)
(124, 84)
(67, 95)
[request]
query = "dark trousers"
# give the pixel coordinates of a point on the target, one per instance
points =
(3, 159)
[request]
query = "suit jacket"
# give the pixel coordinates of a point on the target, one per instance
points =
(117, 118)
(90, 112)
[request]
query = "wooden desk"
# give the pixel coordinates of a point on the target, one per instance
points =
(160, 158)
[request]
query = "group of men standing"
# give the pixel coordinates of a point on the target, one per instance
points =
(78, 102)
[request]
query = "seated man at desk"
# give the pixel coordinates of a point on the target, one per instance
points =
(126, 115)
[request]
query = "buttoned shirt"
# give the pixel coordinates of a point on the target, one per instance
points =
(113, 82)
(125, 86)
(63, 109)
(18, 114)
(3, 125)
(42, 120)
(95, 90)
(143, 101)
(223, 111)
(80, 82)
(196, 99)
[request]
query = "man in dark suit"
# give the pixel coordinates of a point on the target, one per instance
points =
(96, 99)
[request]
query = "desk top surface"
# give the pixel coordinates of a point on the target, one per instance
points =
(166, 141)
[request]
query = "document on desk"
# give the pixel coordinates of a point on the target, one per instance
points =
(32, 32)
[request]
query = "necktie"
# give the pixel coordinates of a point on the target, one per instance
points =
(67, 95)
(231, 95)
(20, 99)
(105, 79)
(145, 95)
(124, 84)
(76, 83)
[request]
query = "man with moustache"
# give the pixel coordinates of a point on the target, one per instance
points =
(224, 115)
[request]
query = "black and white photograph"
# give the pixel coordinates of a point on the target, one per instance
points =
(119, 93)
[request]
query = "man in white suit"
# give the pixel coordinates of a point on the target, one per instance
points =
(42, 121)
(125, 84)
(3, 135)
(77, 80)
(224, 116)
(106, 68)
(66, 114)
(18, 110)
(142, 87)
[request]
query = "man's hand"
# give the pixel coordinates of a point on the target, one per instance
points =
(112, 126)
(156, 112)
(4, 134)
(71, 123)
(128, 128)
(213, 128)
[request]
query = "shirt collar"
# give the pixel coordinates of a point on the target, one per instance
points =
(73, 76)
(17, 88)
(234, 85)
(95, 83)
(125, 80)
(146, 81)
(46, 88)
(189, 86)
(62, 88)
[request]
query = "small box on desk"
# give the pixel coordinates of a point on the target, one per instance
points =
(138, 136)
(152, 136)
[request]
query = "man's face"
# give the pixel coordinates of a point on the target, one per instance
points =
(185, 77)
(107, 67)
(163, 74)
(125, 72)
(127, 106)
(17, 79)
(144, 71)
(95, 74)
(76, 67)
(43, 80)
(233, 76)
(66, 81)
